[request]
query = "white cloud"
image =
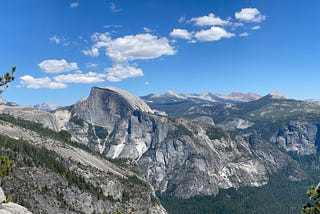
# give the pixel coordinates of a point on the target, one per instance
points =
(74, 5)
(102, 40)
(140, 46)
(123, 50)
(94, 52)
(120, 72)
(131, 47)
(55, 66)
(36, 83)
(63, 41)
(213, 34)
(209, 20)
(114, 8)
(147, 30)
(182, 19)
(181, 34)
(55, 39)
(91, 65)
(87, 78)
(256, 27)
(112, 26)
(250, 15)
(244, 34)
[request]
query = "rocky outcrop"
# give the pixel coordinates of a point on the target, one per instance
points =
(298, 137)
(9, 207)
(2, 196)
(106, 106)
(48, 120)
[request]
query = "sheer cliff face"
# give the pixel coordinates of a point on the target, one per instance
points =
(106, 106)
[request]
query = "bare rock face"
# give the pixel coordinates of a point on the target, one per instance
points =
(11, 208)
(34, 115)
(2, 196)
(177, 156)
(106, 106)
(298, 137)
(135, 134)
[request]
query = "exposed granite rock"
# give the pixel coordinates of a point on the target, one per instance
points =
(31, 114)
(106, 106)
(298, 137)
(177, 156)
(2, 196)
(11, 208)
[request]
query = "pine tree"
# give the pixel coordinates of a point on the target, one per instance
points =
(314, 194)
(6, 79)
(5, 166)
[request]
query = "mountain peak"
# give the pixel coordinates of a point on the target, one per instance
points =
(174, 94)
(276, 95)
(3, 101)
(133, 101)
(47, 106)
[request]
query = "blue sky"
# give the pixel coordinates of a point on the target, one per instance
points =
(64, 47)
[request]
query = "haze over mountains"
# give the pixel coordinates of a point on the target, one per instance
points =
(127, 149)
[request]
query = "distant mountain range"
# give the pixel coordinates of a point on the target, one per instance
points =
(175, 103)
(170, 97)
(47, 107)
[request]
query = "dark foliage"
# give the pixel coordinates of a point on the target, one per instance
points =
(279, 196)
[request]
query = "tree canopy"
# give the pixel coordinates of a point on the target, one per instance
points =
(314, 194)
(6, 79)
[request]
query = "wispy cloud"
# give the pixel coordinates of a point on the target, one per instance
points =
(74, 5)
(182, 19)
(250, 15)
(244, 34)
(55, 39)
(147, 30)
(114, 8)
(112, 26)
(37, 83)
(55, 66)
(91, 65)
(257, 27)
(59, 40)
